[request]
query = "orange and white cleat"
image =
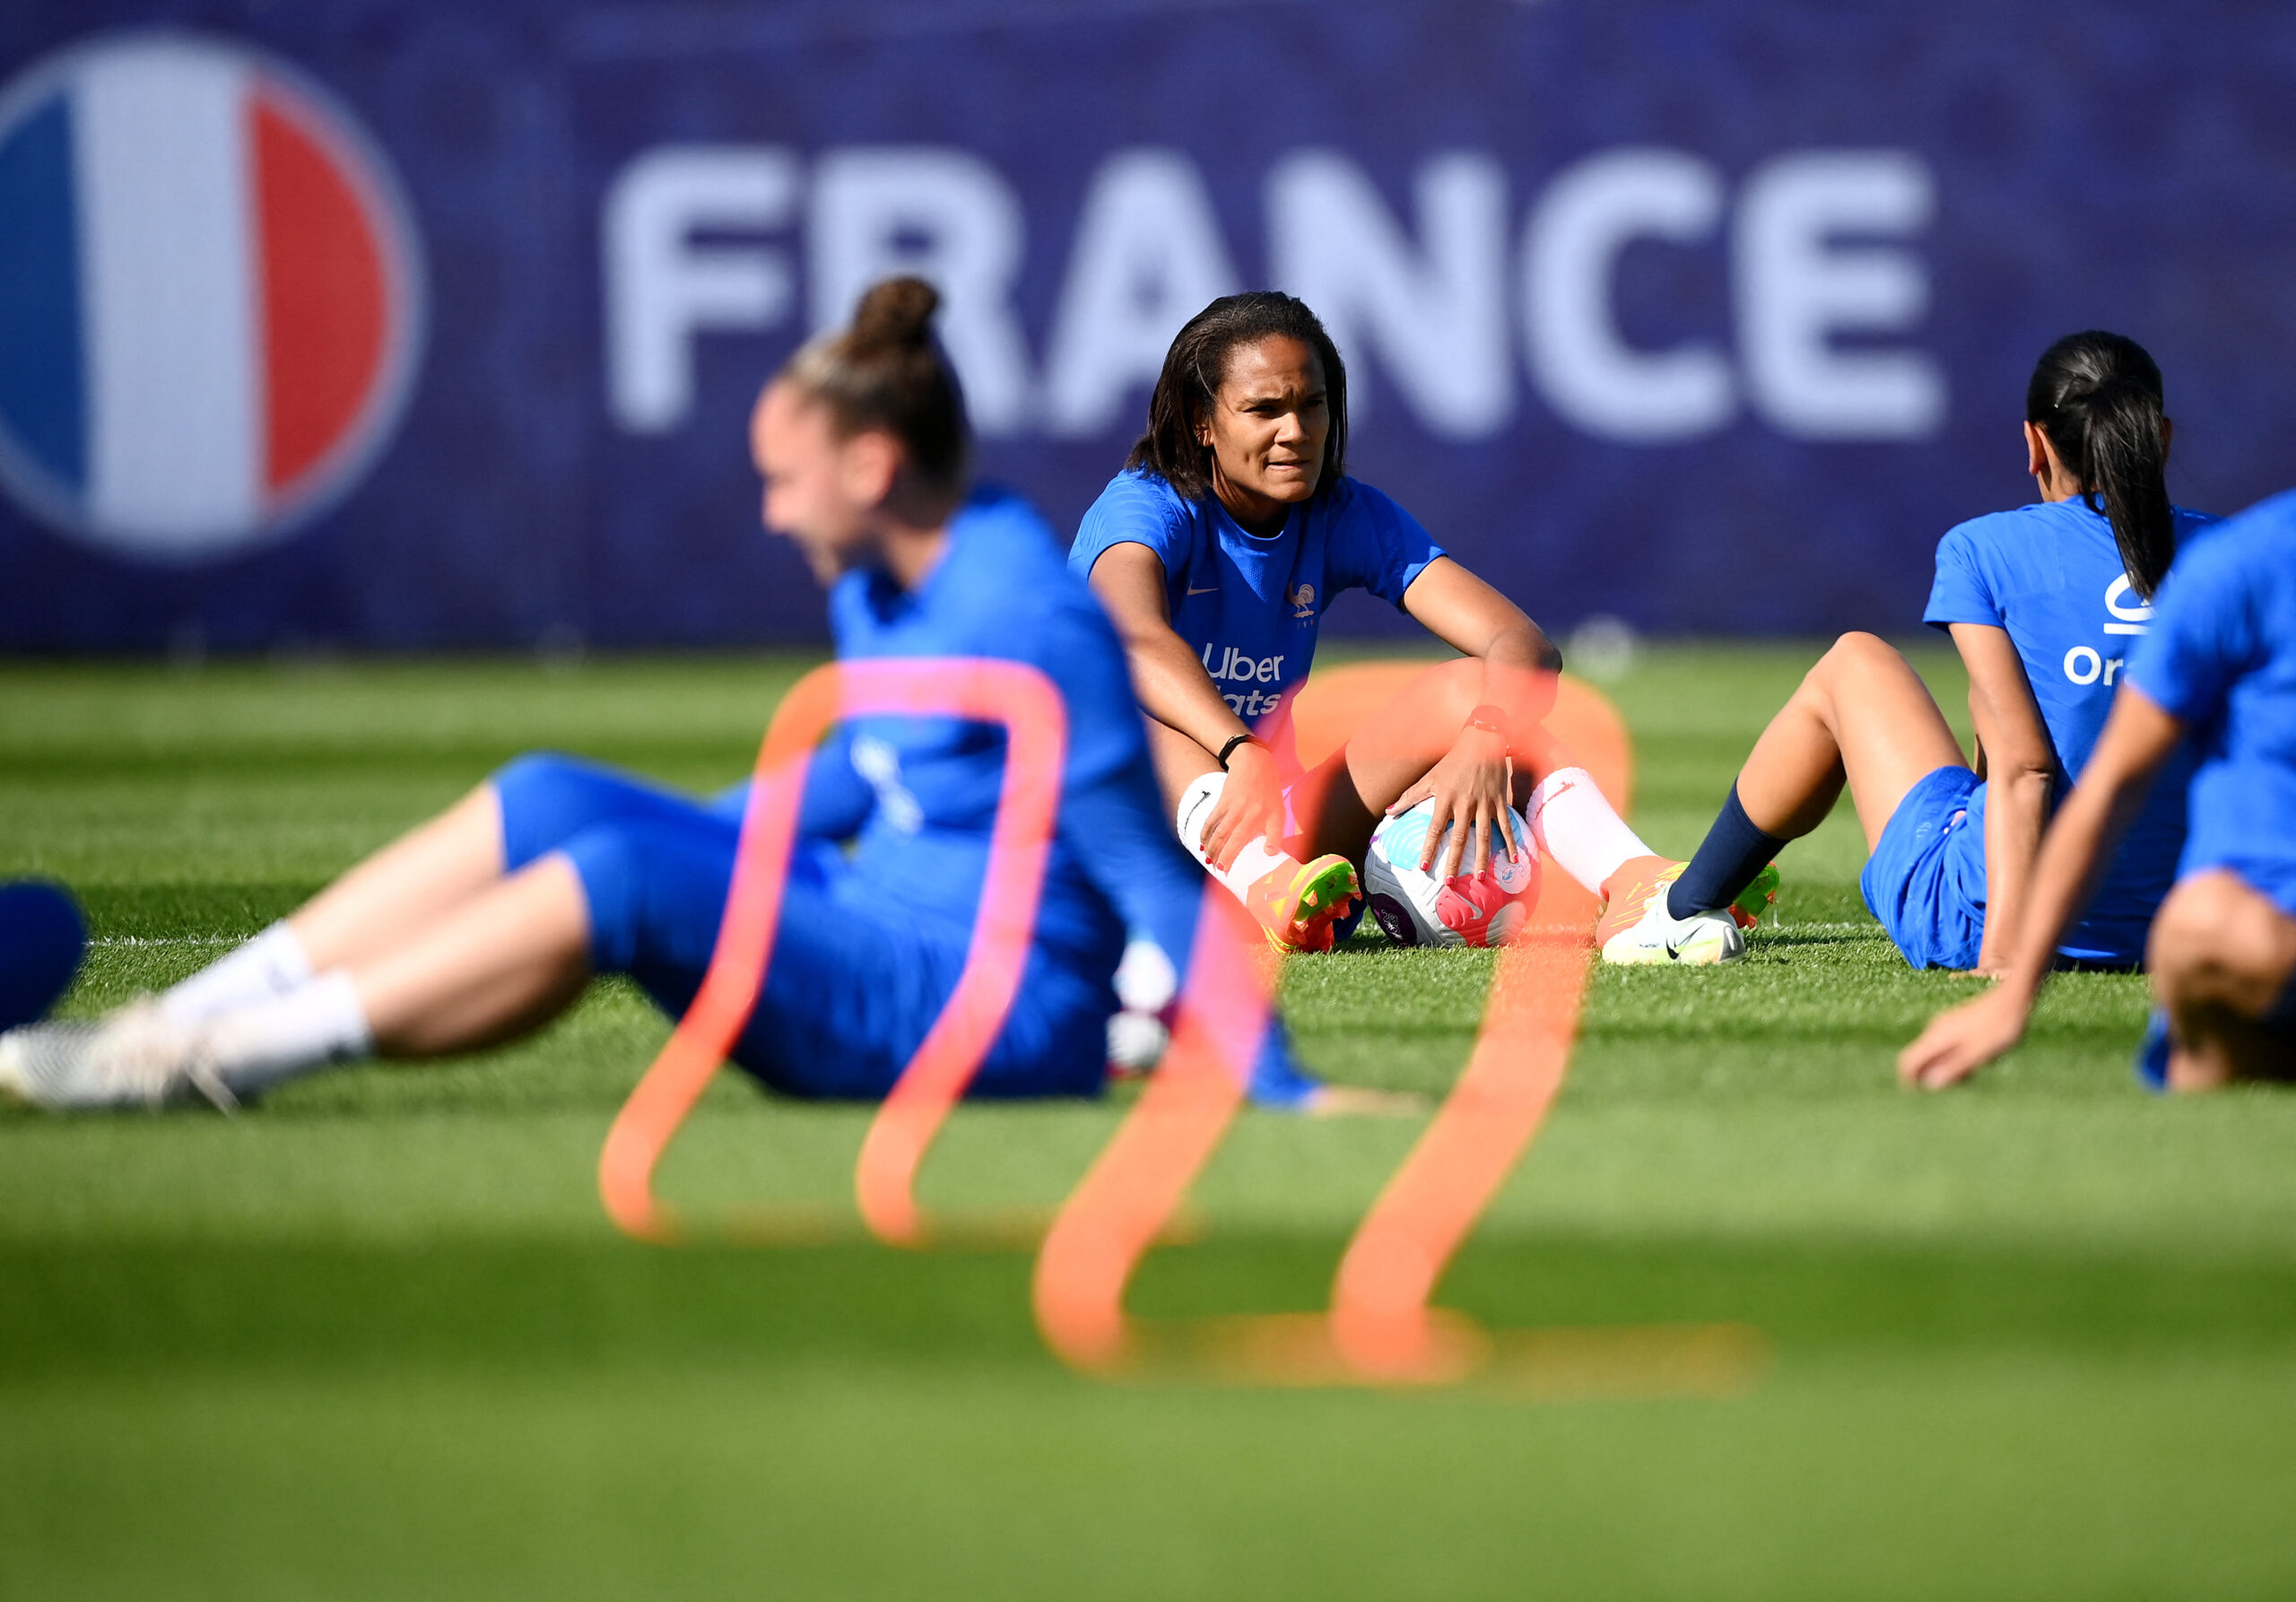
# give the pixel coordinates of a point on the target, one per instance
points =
(1635, 926)
(1298, 908)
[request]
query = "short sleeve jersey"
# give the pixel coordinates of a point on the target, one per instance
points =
(1000, 591)
(2051, 575)
(1116, 870)
(2221, 657)
(1249, 606)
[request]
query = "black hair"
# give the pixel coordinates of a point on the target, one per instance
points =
(2097, 397)
(1197, 365)
(887, 371)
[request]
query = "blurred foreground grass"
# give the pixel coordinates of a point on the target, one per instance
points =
(376, 1338)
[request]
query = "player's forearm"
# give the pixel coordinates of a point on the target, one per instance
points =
(2071, 860)
(2016, 815)
(1175, 689)
(2137, 738)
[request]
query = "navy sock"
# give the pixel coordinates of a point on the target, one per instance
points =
(1732, 852)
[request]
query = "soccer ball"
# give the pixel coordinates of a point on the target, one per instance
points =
(1417, 908)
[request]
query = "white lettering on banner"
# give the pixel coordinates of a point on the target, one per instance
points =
(1584, 366)
(1823, 249)
(1148, 257)
(1437, 317)
(1796, 288)
(947, 216)
(662, 288)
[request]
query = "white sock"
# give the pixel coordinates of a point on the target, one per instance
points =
(1253, 862)
(270, 964)
(1572, 820)
(269, 1041)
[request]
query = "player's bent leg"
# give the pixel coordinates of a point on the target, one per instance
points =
(2223, 957)
(530, 806)
(498, 967)
(493, 967)
(1390, 750)
(1179, 761)
(1861, 718)
(378, 903)
(1297, 903)
(1294, 893)
(1862, 715)
(1571, 818)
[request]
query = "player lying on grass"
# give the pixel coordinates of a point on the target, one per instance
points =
(2040, 602)
(1216, 551)
(482, 924)
(2219, 664)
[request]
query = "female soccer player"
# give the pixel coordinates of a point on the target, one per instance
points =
(2219, 663)
(490, 919)
(1216, 551)
(2042, 602)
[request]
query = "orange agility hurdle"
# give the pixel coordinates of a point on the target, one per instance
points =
(1380, 1329)
(1036, 725)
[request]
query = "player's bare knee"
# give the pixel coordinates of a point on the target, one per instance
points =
(1821, 684)
(2201, 940)
(1860, 653)
(1446, 696)
(1849, 672)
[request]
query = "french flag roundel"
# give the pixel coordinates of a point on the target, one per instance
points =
(210, 300)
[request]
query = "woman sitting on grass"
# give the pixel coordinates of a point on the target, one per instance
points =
(1216, 551)
(2219, 664)
(486, 922)
(2040, 602)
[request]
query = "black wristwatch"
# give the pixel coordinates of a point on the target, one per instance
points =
(1229, 749)
(1489, 718)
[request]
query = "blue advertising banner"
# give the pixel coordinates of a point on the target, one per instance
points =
(403, 323)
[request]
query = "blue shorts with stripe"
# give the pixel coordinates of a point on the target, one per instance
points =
(1925, 879)
(855, 980)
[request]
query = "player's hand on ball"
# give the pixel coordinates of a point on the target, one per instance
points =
(1959, 1043)
(1250, 807)
(1470, 788)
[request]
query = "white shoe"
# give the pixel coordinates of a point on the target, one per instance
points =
(1701, 939)
(138, 1057)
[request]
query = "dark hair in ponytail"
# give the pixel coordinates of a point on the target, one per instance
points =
(887, 371)
(1197, 365)
(2097, 397)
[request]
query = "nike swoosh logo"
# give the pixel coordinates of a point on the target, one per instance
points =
(1208, 589)
(1672, 954)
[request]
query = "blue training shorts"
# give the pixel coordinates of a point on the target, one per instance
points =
(855, 980)
(1925, 879)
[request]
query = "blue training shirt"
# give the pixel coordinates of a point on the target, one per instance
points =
(1249, 605)
(2221, 657)
(918, 795)
(2051, 576)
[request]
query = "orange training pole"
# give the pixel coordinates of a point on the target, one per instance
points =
(1030, 708)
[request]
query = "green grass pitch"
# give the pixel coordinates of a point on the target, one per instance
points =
(376, 1339)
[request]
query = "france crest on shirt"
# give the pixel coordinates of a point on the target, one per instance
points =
(209, 295)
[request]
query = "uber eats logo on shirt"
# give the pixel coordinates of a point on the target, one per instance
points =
(1229, 666)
